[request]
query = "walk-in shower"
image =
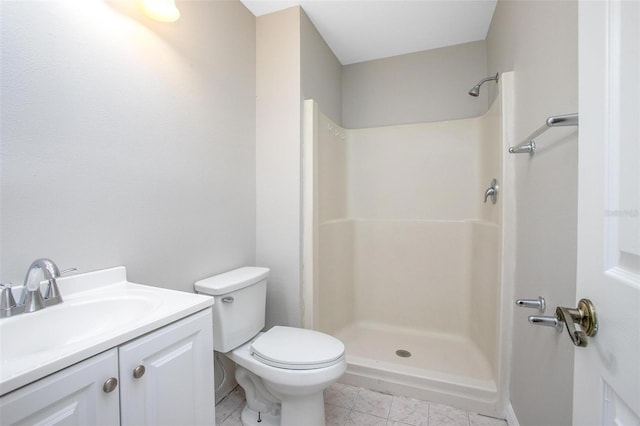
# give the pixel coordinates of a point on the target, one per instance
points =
(403, 261)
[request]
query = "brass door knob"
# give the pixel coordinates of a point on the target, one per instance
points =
(585, 316)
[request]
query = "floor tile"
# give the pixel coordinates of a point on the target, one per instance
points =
(341, 395)
(335, 416)
(234, 418)
(229, 404)
(410, 411)
(479, 420)
(362, 419)
(442, 415)
(354, 406)
(374, 403)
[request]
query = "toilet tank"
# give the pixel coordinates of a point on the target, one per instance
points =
(239, 309)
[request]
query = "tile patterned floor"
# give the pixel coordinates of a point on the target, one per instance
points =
(351, 406)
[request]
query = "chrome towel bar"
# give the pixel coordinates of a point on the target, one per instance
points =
(529, 145)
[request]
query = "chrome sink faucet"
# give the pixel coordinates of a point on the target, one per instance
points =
(31, 299)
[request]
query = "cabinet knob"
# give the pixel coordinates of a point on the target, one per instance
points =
(138, 371)
(110, 385)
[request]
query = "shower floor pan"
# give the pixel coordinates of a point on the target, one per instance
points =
(441, 368)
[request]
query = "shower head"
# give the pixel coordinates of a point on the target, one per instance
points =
(475, 90)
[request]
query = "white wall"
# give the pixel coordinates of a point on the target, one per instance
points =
(126, 141)
(538, 40)
(419, 87)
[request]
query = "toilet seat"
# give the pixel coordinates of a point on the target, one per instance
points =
(297, 349)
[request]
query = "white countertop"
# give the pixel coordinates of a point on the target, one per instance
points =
(101, 310)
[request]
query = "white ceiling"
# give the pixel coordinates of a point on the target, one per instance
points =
(362, 30)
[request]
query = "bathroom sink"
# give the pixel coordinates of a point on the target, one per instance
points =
(67, 324)
(100, 310)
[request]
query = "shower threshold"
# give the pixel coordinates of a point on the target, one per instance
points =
(441, 368)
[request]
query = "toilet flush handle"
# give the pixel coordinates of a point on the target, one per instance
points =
(227, 299)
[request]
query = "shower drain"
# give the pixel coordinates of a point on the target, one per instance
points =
(403, 353)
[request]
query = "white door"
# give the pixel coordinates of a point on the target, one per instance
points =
(607, 371)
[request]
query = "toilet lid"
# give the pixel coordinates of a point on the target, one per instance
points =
(297, 348)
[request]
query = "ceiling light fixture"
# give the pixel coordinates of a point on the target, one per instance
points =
(161, 10)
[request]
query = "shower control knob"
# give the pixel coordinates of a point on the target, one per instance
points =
(492, 192)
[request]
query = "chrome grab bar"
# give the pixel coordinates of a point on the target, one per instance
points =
(529, 146)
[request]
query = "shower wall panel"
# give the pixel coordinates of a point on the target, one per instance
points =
(332, 173)
(395, 212)
(426, 171)
(490, 160)
(334, 299)
(484, 291)
(486, 235)
(336, 296)
(413, 274)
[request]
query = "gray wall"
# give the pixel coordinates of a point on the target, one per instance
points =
(417, 87)
(126, 141)
(278, 162)
(293, 63)
(321, 71)
(539, 41)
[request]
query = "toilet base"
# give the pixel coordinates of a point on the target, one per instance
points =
(289, 397)
(297, 410)
(250, 417)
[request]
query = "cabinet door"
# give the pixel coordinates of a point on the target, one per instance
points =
(177, 386)
(73, 396)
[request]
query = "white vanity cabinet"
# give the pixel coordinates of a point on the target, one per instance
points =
(173, 383)
(166, 377)
(73, 396)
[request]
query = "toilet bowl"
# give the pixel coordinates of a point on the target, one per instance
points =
(299, 391)
(284, 370)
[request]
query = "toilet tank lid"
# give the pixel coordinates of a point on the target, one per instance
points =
(231, 281)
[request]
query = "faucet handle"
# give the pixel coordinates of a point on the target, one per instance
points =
(52, 295)
(33, 300)
(6, 297)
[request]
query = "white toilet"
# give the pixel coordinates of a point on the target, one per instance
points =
(283, 371)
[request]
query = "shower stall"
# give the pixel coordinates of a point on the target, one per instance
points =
(403, 258)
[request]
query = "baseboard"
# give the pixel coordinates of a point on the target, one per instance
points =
(510, 415)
